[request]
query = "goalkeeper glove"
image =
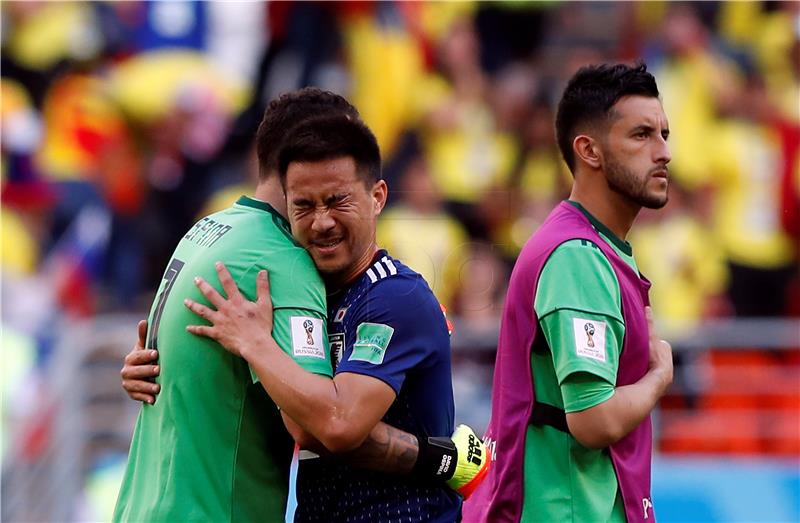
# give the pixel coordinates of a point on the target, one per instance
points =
(461, 461)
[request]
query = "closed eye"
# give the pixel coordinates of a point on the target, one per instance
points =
(302, 204)
(335, 199)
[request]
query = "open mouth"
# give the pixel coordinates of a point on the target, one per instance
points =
(326, 246)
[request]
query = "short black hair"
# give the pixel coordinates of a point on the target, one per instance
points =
(286, 111)
(329, 137)
(591, 93)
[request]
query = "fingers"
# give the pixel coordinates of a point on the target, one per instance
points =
(225, 278)
(144, 398)
(141, 357)
(262, 289)
(141, 386)
(139, 372)
(209, 292)
(200, 309)
(201, 330)
(648, 312)
(142, 327)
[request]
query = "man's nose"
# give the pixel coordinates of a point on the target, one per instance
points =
(323, 221)
(662, 152)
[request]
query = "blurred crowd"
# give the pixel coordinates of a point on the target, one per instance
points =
(124, 122)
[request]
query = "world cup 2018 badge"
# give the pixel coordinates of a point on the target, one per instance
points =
(589, 328)
(308, 337)
(309, 328)
(590, 338)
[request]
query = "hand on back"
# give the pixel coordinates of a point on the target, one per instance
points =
(238, 324)
(139, 369)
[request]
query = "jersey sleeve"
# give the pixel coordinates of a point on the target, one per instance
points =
(299, 318)
(294, 281)
(578, 305)
(397, 329)
(301, 334)
(578, 276)
(581, 391)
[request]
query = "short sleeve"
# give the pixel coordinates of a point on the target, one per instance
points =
(579, 309)
(299, 320)
(578, 276)
(581, 391)
(302, 334)
(294, 281)
(397, 329)
(583, 342)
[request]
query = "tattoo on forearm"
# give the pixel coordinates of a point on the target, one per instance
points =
(386, 449)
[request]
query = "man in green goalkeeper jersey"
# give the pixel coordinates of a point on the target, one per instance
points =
(213, 446)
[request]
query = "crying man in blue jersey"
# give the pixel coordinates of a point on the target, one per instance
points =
(388, 336)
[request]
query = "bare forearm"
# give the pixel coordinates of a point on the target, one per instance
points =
(386, 449)
(310, 400)
(633, 403)
(610, 421)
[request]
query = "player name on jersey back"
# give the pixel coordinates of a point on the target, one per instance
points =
(206, 232)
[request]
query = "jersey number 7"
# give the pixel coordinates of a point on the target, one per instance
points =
(174, 268)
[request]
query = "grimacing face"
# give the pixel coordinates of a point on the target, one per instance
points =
(333, 215)
(635, 151)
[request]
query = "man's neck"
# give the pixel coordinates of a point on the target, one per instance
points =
(271, 192)
(336, 282)
(609, 207)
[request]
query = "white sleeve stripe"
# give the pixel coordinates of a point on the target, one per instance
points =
(372, 276)
(380, 270)
(390, 264)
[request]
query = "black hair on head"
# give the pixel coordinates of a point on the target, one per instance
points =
(288, 110)
(329, 137)
(591, 93)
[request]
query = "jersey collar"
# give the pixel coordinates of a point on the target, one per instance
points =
(621, 244)
(262, 206)
(258, 204)
(332, 293)
(279, 219)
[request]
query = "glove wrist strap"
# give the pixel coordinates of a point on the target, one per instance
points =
(436, 460)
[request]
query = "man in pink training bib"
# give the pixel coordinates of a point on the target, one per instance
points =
(578, 368)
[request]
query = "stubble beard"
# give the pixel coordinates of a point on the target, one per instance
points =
(624, 182)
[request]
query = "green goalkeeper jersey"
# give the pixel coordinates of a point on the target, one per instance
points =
(213, 446)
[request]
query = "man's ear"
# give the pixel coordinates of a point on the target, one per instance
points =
(380, 192)
(587, 150)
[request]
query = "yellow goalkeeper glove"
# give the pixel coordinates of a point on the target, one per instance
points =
(460, 461)
(473, 461)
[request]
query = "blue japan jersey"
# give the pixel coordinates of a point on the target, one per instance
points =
(387, 324)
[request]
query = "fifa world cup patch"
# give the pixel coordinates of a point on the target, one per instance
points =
(307, 337)
(590, 338)
(372, 339)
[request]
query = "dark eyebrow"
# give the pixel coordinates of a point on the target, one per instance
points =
(336, 198)
(647, 129)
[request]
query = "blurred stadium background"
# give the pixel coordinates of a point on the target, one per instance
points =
(123, 122)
